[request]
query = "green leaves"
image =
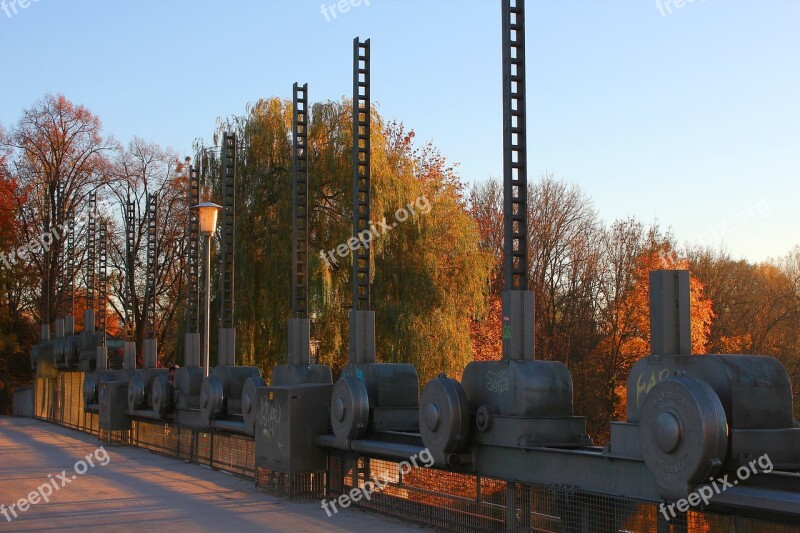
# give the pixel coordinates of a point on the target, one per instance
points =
(428, 273)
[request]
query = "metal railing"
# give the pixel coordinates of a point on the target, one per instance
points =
(423, 496)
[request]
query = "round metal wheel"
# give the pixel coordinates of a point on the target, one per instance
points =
(444, 417)
(349, 409)
(89, 390)
(212, 398)
(683, 432)
(136, 392)
(161, 395)
(484, 417)
(249, 397)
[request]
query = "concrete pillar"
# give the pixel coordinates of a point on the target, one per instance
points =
(226, 350)
(670, 315)
(129, 356)
(102, 357)
(362, 336)
(88, 321)
(518, 318)
(150, 358)
(299, 341)
(191, 353)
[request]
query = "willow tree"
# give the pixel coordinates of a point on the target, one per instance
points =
(428, 273)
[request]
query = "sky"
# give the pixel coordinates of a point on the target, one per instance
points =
(681, 112)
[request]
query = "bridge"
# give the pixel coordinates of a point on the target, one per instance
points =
(131, 489)
(710, 443)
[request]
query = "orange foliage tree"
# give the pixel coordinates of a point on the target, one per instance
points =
(625, 329)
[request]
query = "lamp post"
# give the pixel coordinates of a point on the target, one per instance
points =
(207, 215)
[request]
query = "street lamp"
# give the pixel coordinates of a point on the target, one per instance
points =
(207, 214)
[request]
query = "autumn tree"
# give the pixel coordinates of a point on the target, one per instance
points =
(263, 228)
(139, 170)
(17, 331)
(591, 291)
(564, 236)
(428, 272)
(564, 256)
(631, 253)
(757, 306)
(486, 207)
(56, 146)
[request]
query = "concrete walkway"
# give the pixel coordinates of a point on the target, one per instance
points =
(139, 491)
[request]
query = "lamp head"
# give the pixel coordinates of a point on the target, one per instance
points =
(207, 213)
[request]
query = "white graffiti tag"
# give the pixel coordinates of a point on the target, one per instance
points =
(269, 415)
(497, 381)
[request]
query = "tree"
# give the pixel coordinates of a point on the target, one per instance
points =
(757, 306)
(631, 254)
(140, 170)
(55, 146)
(486, 207)
(17, 331)
(428, 273)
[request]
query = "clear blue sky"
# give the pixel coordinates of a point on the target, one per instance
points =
(691, 117)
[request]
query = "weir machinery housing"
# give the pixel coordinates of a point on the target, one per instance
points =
(369, 398)
(690, 417)
(141, 384)
(181, 399)
(288, 414)
(221, 403)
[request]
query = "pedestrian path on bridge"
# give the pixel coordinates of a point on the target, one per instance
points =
(136, 490)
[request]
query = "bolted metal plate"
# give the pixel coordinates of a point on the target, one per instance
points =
(136, 392)
(683, 433)
(113, 396)
(212, 398)
(71, 351)
(89, 389)
(249, 402)
(349, 409)
(161, 395)
(444, 417)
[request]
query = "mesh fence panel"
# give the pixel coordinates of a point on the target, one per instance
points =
(294, 486)
(429, 497)
(458, 502)
(115, 438)
(158, 437)
(202, 448)
(60, 400)
(44, 398)
(234, 453)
